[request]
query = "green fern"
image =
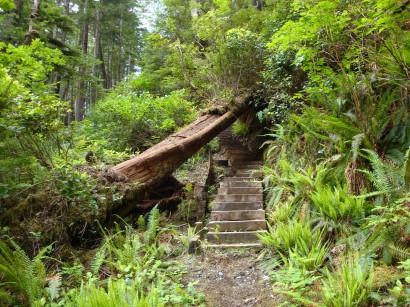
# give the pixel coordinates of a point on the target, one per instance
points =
(398, 251)
(98, 260)
(153, 223)
(54, 285)
(384, 177)
(407, 171)
(118, 293)
(141, 223)
(26, 277)
(356, 143)
(350, 284)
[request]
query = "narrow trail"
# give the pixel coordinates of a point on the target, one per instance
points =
(231, 279)
(227, 268)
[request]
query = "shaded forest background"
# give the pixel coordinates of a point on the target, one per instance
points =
(330, 94)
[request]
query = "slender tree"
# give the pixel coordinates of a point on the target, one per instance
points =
(33, 30)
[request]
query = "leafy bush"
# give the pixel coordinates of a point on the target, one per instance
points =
(77, 188)
(128, 120)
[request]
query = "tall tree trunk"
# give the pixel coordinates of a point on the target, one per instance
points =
(110, 77)
(80, 101)
(18, 12)
(120, 48)
(61, 89)
(259, 4)
(33, 30)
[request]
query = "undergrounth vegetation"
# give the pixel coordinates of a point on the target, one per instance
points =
(84, 86)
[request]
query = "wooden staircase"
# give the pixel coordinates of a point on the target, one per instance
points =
(237, 216)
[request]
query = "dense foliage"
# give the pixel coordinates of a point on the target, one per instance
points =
(330, 82)
(331, 87)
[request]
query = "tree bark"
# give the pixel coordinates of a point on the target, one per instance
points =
(120, 50)
(80, 101)
(18, 11)
(33, 30)
(161, 160)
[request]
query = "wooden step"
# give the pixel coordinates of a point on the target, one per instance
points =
(234, 237)
(240, 172)
(237, 215)
(241, 183)
(244, 166)
(240, 190)
(239, 198)
(237, 159)
(240, 179)
(247, 225)
(230, 206)
(256, 245)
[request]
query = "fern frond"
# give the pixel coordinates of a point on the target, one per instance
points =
(54, 284)
(356, 142)
(98, 260)
(153, 223)
(383, 175)
(398, 251)
(27, 276)
(407, 171)
(395, 156)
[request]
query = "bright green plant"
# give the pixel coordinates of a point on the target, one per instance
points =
(126, 119)
(293, 282)
(24, 278)
(350, 284)
(296, 241)
(338, 207)
(118, 293)
(239, 129)
(78, 189)
(141, 260)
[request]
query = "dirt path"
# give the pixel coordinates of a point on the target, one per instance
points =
(230, 279)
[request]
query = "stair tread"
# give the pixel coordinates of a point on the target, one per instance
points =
(234, 245)
(224, 233)
(239, 202)
(240, 221)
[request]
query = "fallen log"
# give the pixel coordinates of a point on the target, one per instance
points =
(155, 165)
(161, 160)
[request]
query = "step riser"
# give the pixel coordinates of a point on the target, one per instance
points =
(237, 160)
(240, 172)
(241, 184)
(250, 225)
(239, 198)
(237, 150)
(256, 162)
(240, 190)
(244, 167)
(239, 215)
(247, 175)
(238, 155)
(239, 179)
(237, 206)
(233, 237)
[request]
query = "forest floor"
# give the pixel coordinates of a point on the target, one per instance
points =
(230, 278)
